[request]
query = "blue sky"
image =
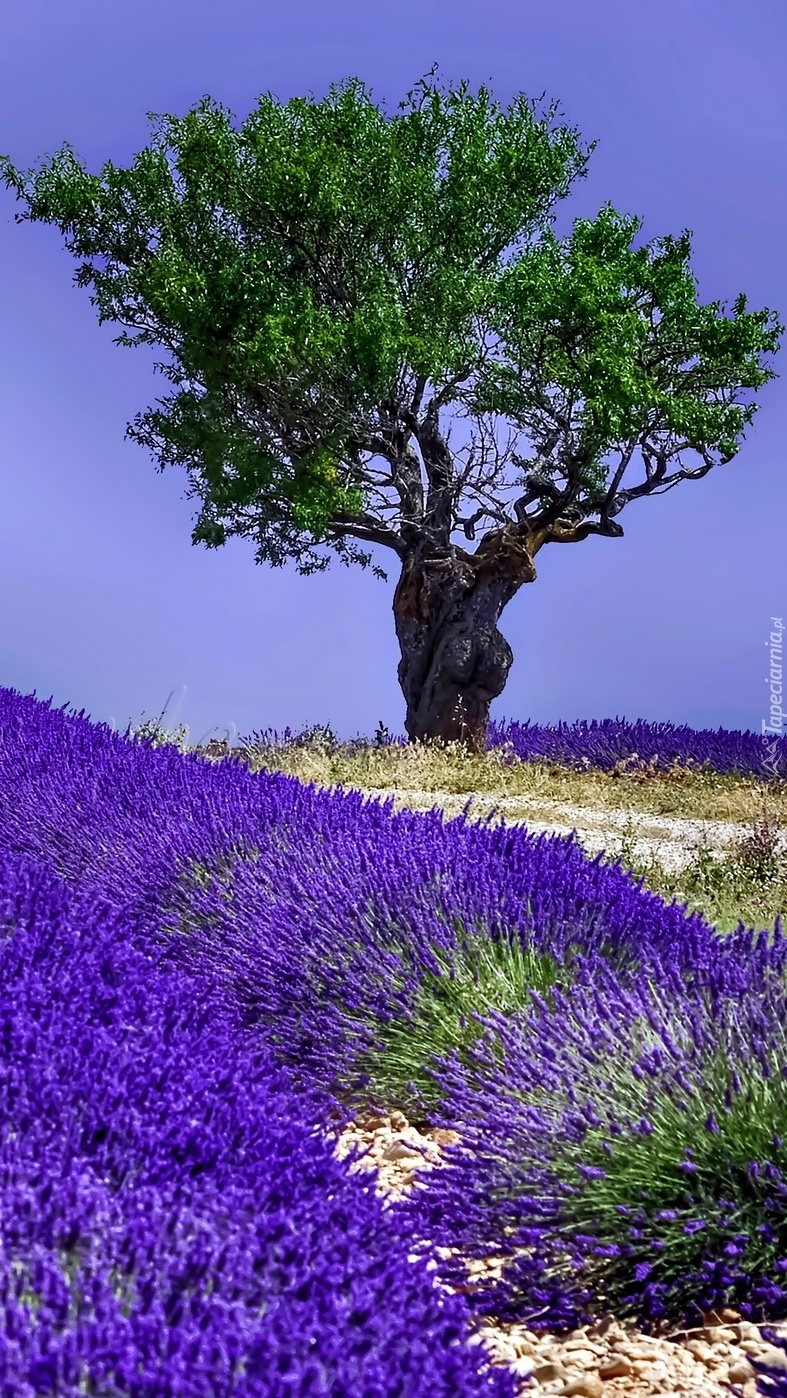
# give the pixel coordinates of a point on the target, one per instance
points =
(107, 606)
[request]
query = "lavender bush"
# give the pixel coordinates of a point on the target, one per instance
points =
(170, 1224)
(605, 743)
(649, 1142)
(616, 1067)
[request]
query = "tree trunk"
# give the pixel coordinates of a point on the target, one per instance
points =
(454, 660)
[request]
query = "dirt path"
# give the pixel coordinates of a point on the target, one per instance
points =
(671, 840)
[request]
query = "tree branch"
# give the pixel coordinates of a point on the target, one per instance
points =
(574, 533)
(369, 529)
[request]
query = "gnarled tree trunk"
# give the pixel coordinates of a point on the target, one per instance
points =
(454, 660)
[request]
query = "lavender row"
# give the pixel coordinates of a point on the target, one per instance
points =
(627, 1125)
(169, 1225)
(604, 742)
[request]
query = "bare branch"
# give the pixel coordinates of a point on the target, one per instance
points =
(572, 534)
(369, 529)
(609, 499)
(656, 475)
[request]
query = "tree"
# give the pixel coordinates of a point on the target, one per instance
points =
(318, 272)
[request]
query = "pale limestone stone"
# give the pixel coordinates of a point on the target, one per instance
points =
(607, 1359)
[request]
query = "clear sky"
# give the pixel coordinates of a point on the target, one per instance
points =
(105, 603)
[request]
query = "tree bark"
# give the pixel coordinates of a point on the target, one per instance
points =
(454, 660)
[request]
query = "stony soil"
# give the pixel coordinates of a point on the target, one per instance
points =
(597, 1361)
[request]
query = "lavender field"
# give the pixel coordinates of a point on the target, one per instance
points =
(201, 963)
(603, 744)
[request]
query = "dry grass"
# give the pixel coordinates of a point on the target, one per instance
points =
(681, 792)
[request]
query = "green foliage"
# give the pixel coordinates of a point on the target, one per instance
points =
(296, 269)
(581, 315)
(313, 270)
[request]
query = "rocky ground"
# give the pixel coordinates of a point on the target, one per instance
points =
(607, 1358)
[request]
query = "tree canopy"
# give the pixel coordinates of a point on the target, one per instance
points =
(314, 271)
(328, 280)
